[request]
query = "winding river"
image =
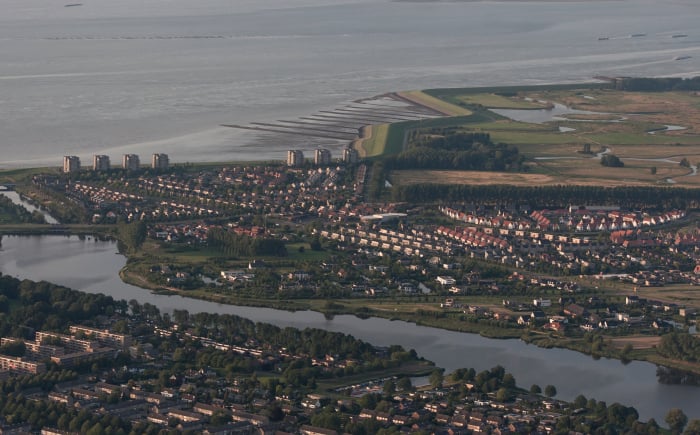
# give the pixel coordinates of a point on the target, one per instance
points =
(91, 265)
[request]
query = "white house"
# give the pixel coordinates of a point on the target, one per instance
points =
(446, 280)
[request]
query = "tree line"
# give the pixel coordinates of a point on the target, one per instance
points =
(648, 84)
(11, 213)
(447, 149)
(552, 196)
(234, 245)
(27, 306)
(679, 346)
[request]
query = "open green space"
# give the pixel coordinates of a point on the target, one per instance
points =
(375, 144)
(556, 153)
(441, 105)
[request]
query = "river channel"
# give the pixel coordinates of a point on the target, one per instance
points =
(17, 199)
(91, 265)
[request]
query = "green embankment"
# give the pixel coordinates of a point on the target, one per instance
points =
(448, 108)
(375, 144)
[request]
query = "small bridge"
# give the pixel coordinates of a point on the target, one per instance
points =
(7, 186)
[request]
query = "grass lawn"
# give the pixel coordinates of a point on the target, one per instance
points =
(423, 99)
(676, 293)
(418, 176)
(294, 254)
(24, 174)
(375, 144)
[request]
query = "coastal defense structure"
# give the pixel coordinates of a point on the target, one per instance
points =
(295, 158)
(131, 162)
(322, 157)
(350, 156)
(160, 161)
(71, 164)
(100, 162)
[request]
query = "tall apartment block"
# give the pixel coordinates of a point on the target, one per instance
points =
(131, 162)
(160, 161)
(350, 155)
(71, 163)
(100, 162)
(295, 158)
(322, 157)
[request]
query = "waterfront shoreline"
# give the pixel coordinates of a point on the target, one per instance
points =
(537, 338)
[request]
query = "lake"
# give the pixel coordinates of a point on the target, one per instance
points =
(90, 265)
(129, 76)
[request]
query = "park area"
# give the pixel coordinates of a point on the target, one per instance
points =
(563, 132)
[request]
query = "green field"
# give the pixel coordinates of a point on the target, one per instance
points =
(375, 145)
(449, 108)
(618, 121)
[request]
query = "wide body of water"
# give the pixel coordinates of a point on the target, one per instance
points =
(161, 76)
(93, 266)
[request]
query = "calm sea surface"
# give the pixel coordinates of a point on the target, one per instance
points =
(161, 76)
(93, 266)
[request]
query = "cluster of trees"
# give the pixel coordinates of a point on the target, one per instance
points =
(301, 372)
(459, 151)
(612, 161)
(11, 213)
(17, 408)
(27, 306)
(657, 84)
(377, 178)
(132, 235)
(317, 343)
(679, 346)
(591, 416)
(552, 196)
(234, 245)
